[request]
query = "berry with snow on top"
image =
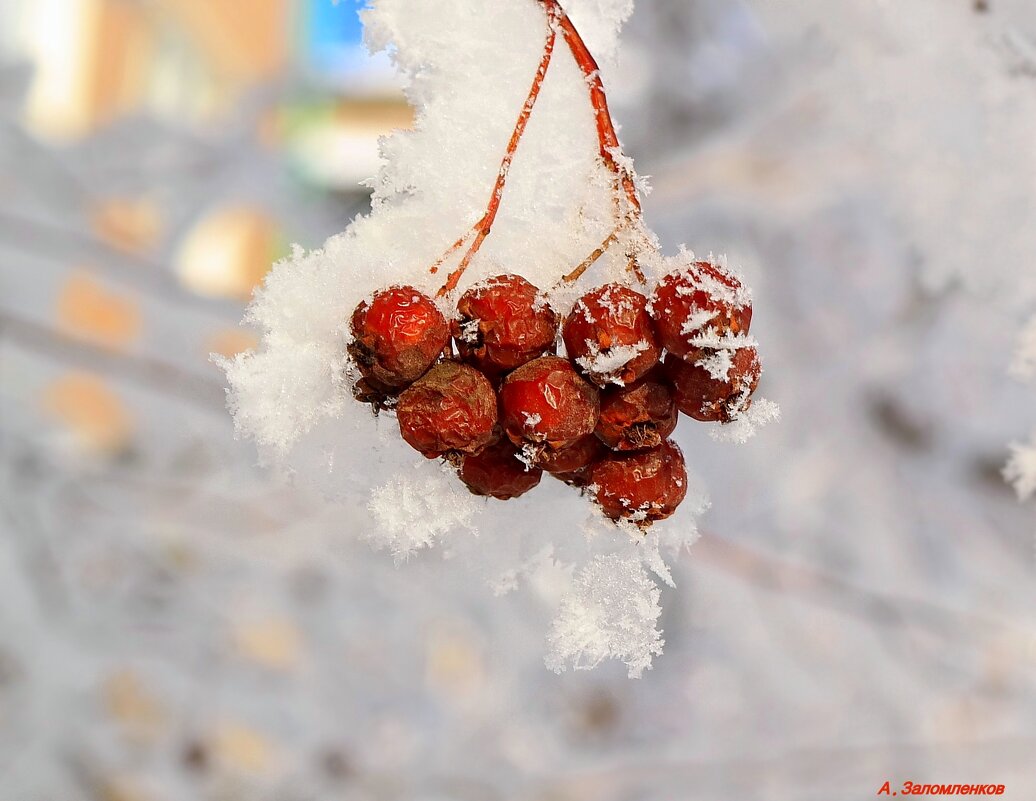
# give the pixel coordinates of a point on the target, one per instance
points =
(699, 305)
(714, 386)
(610, 336)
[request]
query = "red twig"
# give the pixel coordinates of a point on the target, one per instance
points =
(607, 138)
(482, 228)
(606, 135)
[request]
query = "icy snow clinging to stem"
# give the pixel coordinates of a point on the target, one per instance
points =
(468, 69)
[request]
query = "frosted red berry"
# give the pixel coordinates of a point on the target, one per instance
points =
(714, 386)
(397, 335)
(641, 487)
(546, 402)
(502, 323)
(571, 464)
(497, 472)
(610, 336)
(638, 416)
(451, 410)
(701, 301)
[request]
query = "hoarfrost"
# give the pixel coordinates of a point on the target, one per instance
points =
(611, 612)
(743, 427)
(1021, 469)
(610, 360)
(415, 514)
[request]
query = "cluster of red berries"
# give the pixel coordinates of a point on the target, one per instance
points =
(488, 392)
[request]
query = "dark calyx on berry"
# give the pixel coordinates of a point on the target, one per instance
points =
(379, 396)
(714, 386)
(700, 302)
(547, 403)
(503, 323)
(609, 334)
(572, 464)
(638, 416)
(397, 335)
(641, 487)
(451, 410)
(497, 472)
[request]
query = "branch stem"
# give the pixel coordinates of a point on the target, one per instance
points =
(482, 228)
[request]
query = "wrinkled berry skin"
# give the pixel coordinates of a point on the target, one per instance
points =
(397, 336)
(496, 472)
(503, 323)
(546, 402)
(451, 410)
(638, 416)
(610, 317)
(702, 300)
(709, 399)
(642, 487)
(572, 464)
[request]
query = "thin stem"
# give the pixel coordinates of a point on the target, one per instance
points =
(606, 135)
(590, 260)
(482, 228)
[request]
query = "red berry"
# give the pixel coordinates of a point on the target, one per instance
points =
(714, 386)
(546, 402)
(702, 300)
(451, 410)
(638, 416)
(397, 336)
(641, 487)
(503, 323)
(571, 464)
(498, 473)
(609, 334)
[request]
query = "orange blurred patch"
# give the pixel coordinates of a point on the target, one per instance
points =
(131, 703)
(91, 57)
(88, 310)
(85, 405)
(228, 252)
(134, 226)
(242, 749)
(230, 342)
(273, 643)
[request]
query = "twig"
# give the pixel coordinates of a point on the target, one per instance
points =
(775, 574)
(482, 228)
(606, 135)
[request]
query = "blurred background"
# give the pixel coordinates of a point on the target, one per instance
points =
(860, 609)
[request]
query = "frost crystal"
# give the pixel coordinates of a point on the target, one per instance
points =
(718, 365)
(412, 515)
(610, 360)
(1021, 469)
(611, 612)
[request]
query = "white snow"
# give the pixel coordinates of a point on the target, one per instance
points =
(611, 612)
(610, 360)
(1021, 469)
(718, 364)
